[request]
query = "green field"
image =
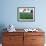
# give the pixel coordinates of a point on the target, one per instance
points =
(24, 15)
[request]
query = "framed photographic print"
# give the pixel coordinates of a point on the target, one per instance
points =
(26, 14)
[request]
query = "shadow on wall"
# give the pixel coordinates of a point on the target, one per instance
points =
(2, 26)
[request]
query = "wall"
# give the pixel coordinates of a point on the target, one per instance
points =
(9, 13)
